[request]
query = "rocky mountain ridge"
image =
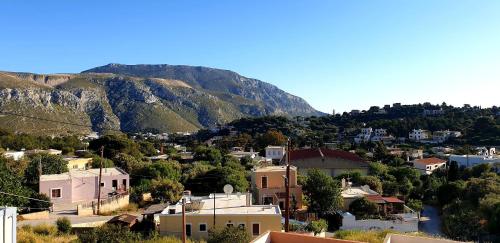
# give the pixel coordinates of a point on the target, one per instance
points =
(132, 98)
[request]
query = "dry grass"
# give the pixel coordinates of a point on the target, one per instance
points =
(130, 208)
(42, 233)
(170, 239)
(370, 236)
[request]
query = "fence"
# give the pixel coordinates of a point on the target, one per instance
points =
(108, 205)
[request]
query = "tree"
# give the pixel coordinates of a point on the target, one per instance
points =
(372, 181)
(210, 154)
(461, 221)
(228, 235)
(166, 190)
(450, 191)
(128, 163)
(163, 169)
(272, 137)
(106, 163)
(50, 164)
(12, 183)
(415, 204)
(490, 209)
(323, 192)
(63, 225)
(115, 144)
(364, 209)
(317, 226)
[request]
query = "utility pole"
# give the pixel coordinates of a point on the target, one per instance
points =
(99, 186)
(183, 220)
(214, 211)
(287, 184)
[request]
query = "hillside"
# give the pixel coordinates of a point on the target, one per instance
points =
(159, 98)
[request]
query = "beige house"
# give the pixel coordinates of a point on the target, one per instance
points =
(231, 210)
(332, 162)
(268, 185)
(78, 163)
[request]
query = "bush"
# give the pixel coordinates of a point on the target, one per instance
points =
(44, 229)
(317, 226)
(364, 209)
(109, 233)
(228, 235)
(63, 225)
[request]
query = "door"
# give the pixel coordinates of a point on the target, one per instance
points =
(188, 230)
(114, 185)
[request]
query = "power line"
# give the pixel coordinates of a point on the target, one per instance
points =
(30, 198)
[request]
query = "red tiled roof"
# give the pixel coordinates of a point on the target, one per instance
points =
(430, 161)
(323, 152)
(392, 200)
(375, 198)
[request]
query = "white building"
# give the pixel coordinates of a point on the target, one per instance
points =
(8, 221)
(443, 136)
(472, 160)
(15, 155)
(418, 134)
(275, 152)
(364, 135)
(428, 165)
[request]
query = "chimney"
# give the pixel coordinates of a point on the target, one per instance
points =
(249, 199)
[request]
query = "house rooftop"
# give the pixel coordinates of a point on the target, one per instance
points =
(357, 192)
(224, 204)
(323, 152)
(273, 168)
(430, 161)
(78, 173)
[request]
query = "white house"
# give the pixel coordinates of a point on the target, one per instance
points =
(8, 221)
(364, 136)
(428, 165)
(472, 160)
(15, 155)
(418, 134)
(275, 152)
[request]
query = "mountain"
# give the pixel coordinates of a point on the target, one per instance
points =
(131, 98)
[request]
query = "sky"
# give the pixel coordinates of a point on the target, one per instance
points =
(336, 54)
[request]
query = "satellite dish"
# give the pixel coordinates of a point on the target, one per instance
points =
(228, 189)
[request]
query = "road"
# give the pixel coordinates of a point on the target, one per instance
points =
(430, 222)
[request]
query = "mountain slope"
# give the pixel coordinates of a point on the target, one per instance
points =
(224, 84)
(147, 100)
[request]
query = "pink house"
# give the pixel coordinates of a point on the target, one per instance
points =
(81, 185)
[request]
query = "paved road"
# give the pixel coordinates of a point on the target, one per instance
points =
(430, 221)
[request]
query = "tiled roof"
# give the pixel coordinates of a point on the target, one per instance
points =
(392, 200)
(323, 152)
(375, 198)
(430, 161)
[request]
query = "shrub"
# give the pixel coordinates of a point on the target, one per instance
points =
(63, 225)
(44, 229)
(228, 235)
(363, 209)
(317, 226)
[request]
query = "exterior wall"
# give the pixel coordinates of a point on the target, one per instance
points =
(331, 166)
(65, 186)
(427, 169)
(275, 152)
(79, 163)
(276, 186)
(396, 238)
(275, 178)
(278, 194)
(8, 224)
(172, 224)
(349, 222)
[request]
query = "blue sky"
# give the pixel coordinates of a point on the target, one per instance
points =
(338, 55)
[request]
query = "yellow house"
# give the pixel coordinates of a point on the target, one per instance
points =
(268, 184)
(78, 163)
(231, 210)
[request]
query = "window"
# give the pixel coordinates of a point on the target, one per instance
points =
(241, 225)
(188, 230)
(102, 184)
(282, 205)
(267, 200)
(171, 211)
(114, 184)
(264, 182)
(203, 227)
(124, 183)
(55, 193)
(75, 166)
(229, 225)
(255, 229)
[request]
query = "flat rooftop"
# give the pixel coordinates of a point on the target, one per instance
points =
(355, 192)
(224, 204)
(82, 173)
(274, 168)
